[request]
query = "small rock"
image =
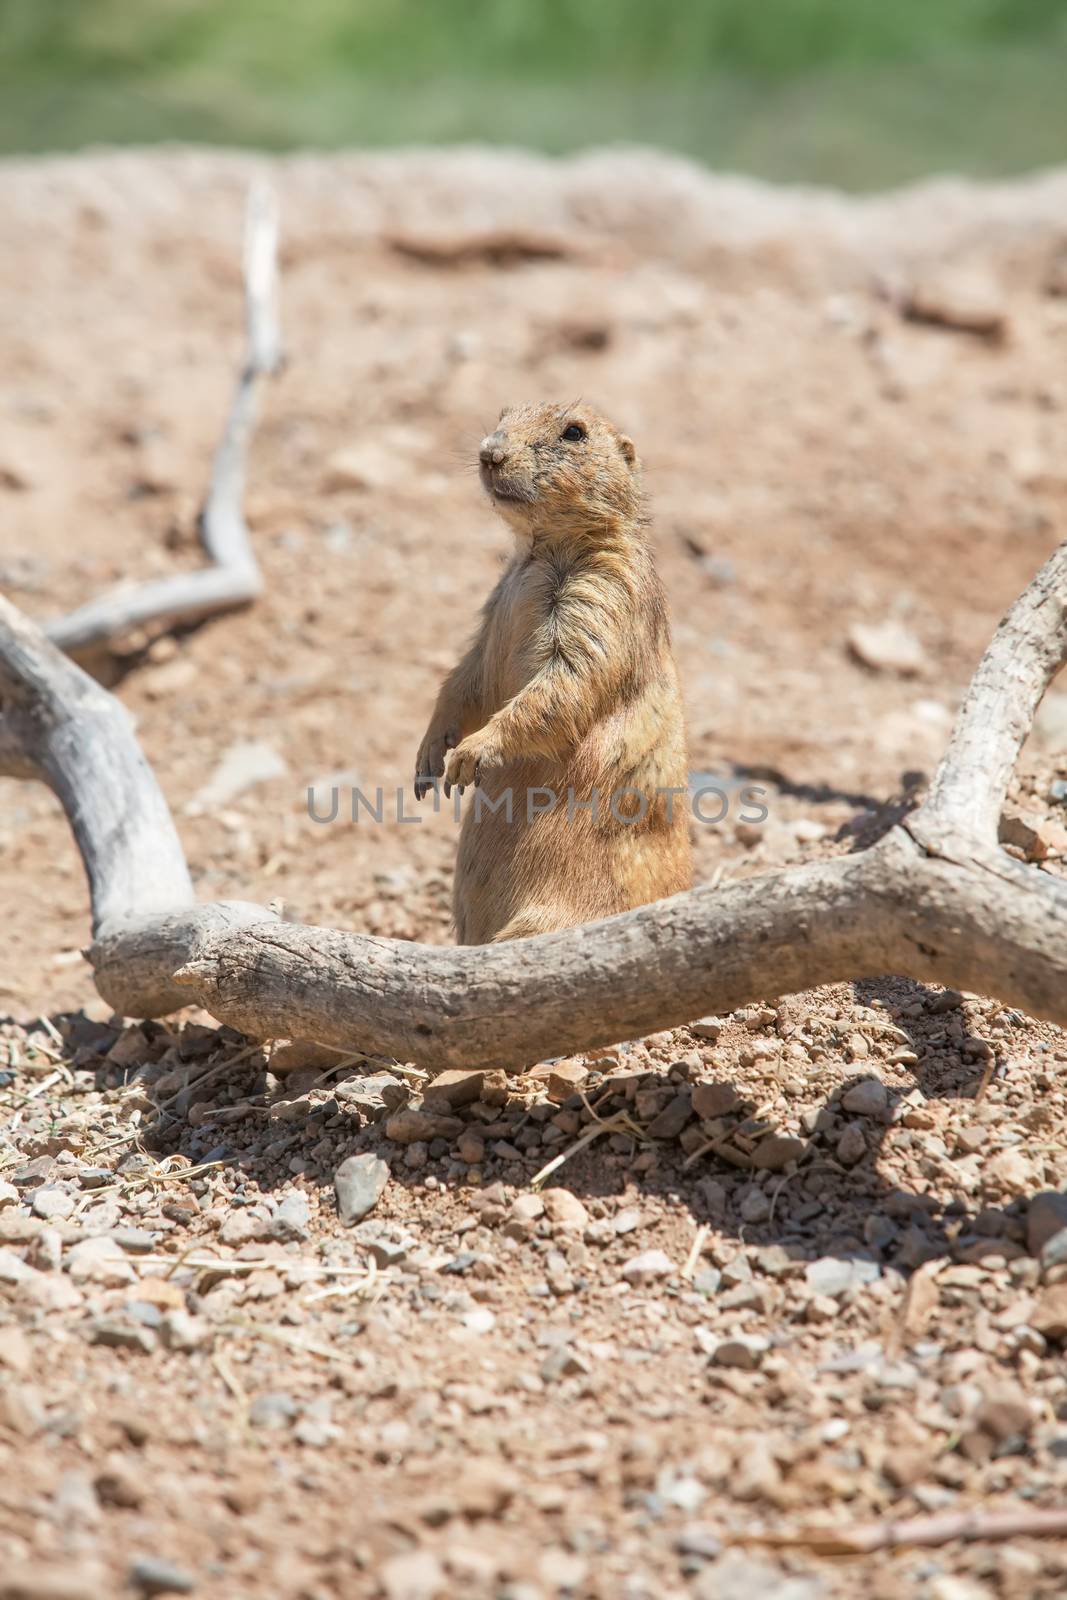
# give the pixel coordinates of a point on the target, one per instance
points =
(1049, 1315)
(1045, 1215)
(150, 1575)
(745, 1351)
(755, 1207)
(625, 1222)
(458, 1087)
(707, 1280)
(1011, 1171)
(672, 1119)
(1054, 1251)
(527, 1207)
(415, 1575)
(712, 1100)
(245, 1225)
(117, 1485)
(99, 1261)
(470, 1147)
(907, 1465)
(52, 1204)
(373, 1094)
(292, 1220)
(648, 1267)
(563, 1362)
(414, 1125)
(869, 1098)
(359, 1183)
(833, 1276)
(1038, 837)
(184, 1333)
(964, 300)
(564, 1079)
(708, 1028)
(273, 1410)
(852, 1145)
(564, 1209)
(698, 1539)
(886, 647)
(122, 1336)
(776, 1151)
(14, 1350)
(970, 1139)
(820, 1308)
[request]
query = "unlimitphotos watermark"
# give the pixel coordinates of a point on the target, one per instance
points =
(708, 803)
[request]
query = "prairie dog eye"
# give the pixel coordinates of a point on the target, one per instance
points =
(574, 433)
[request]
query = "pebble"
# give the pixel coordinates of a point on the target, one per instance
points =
(745, 1351)
(755, 1207)
(1049, 1315)
(563, 1362)
(415, 1575)
(416, 1126)
(458, 1087)
(626, 1222)
(122, 1335)
(99, 1261)
(52, 1204)
(707, 1028)
(276, 1409)
(886, 647)
(470, 1147)
(712, 1100)
(868, 1098)
(852, 1145)
(672, 1119)
(776, 1151)
(564, 1078)
(14, 1349)
(292, 1220)
(359, 1183)
(183, 1332)
(150, 1575)
(648, 1267)
(564, 1209)
(834, 1275)
(1045, 1216)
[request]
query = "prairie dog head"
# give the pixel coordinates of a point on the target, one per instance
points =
(559, 469)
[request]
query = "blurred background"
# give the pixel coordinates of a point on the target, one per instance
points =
(858, 93)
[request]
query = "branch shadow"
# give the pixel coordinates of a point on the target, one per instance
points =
(218, 1109)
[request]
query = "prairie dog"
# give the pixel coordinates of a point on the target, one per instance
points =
(569, 687)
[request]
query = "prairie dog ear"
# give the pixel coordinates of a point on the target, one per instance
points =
(627, 447)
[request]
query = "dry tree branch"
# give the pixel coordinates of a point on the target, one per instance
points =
(925, 902)
(233, 578)
(976, 1526)
(936, 899)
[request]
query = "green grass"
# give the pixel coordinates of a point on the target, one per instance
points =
(856, 92)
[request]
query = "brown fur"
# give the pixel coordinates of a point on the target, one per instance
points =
(569, 685)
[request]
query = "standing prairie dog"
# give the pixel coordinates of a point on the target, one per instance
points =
(565, 711)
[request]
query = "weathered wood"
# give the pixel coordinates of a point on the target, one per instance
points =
(233, 579)
(925, 902)
(936, 899)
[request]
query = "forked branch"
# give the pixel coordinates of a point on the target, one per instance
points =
(958, 911)
(936, 899)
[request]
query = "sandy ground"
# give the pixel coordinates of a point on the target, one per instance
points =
(476, 1397)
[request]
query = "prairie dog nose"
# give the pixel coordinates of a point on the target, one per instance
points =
(493, 452)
